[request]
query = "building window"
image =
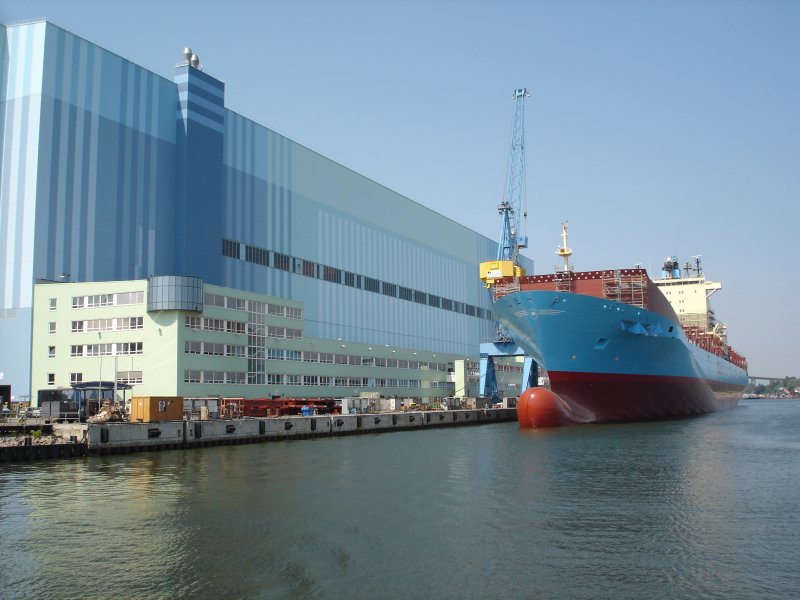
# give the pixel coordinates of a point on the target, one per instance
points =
(53, 303)
(51, 379)
(372, 285)
(234, 350)
(332, 274)
(259, 256)
(213, 376)
(231, 249)
(235, 327)
(191, 376)
(75, 378)
(125, 298)
(294, 313)
(236, 377)
(129, 377)
(282, 261)
(214, 349)
(190, 347)
(51, 352)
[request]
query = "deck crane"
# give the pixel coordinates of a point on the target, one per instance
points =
(512, 240)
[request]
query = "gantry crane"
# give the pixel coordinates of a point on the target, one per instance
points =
(512, 240)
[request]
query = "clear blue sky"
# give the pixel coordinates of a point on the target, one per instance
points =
(655, 128)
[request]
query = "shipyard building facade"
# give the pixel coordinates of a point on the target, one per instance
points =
(114, 176)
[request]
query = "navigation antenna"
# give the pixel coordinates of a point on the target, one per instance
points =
(697, 269)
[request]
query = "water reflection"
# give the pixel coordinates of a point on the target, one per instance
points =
(697, 508)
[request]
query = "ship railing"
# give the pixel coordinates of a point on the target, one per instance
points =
(563, 281)
(628, 288)
(503, 287)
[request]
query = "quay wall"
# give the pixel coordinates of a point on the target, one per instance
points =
(108, 438)
(116, 438)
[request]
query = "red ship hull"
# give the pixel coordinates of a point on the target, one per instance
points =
(601, 397)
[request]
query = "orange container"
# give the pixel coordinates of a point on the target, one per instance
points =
(151, 409)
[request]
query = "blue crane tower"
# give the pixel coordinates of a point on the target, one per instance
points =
(512, 240)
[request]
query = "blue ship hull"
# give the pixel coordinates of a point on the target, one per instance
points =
(610, 361)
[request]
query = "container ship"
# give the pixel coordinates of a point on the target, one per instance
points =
(617, 345)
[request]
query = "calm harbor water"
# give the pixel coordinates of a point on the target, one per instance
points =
(700, 508)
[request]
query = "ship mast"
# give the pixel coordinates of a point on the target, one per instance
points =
(565, 251)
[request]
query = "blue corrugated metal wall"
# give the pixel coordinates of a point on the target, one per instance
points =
(110, 171)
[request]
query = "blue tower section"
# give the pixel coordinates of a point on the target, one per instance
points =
(200, 141)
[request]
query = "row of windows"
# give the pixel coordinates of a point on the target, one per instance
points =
(98, 300)
(349, 359)
(193, 322)
(308, 268)
(353, 382)
(259, 330)
(129, 377)
(114, 349)
(253, 306)
(119, 324)
(230, 377)
(508, 368)
(214, 349)
(286, 333)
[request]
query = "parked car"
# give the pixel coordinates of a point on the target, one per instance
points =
(34, 413)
